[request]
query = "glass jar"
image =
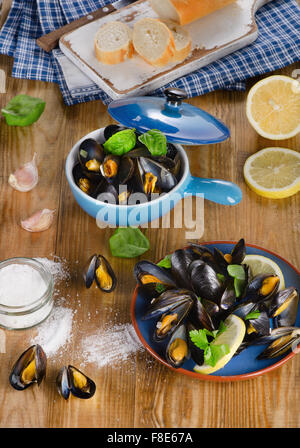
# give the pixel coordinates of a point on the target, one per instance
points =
(30, 314)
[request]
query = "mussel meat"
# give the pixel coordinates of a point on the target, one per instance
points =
(110, 167)
(285, 300)
(167, 301)
(147, 273)
(90, 155)
(262, 287)
(71, 380)
(169, 321)
(30, 368)
(99, 269)
(281, 345)
(177, 350)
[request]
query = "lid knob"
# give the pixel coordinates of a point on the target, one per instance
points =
(175, 96)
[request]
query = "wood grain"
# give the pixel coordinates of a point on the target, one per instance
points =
(139, 392)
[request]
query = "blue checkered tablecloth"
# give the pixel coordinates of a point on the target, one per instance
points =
(277, 46)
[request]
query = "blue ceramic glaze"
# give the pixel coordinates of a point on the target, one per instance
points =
(246, 361)
(181, 123)
(219, 191)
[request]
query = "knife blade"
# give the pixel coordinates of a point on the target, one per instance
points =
(50, 40)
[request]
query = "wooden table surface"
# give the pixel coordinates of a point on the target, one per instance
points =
(139, 392)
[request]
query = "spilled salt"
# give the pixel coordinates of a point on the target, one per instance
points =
(56, 332)
(57, 267)
(110, 346)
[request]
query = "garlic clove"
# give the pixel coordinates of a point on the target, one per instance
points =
(39, 221)
(26, 177)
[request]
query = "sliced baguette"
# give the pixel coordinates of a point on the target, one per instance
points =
(182, 41)
(113, 43)
(153, 41)
(186, 11)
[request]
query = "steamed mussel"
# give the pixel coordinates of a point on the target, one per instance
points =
(98, 268)
(30, 368)
(70, 380)
(198, 289)
(103, 169)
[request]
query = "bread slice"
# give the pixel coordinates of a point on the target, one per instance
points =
(182, 40)
(153, 41)
(113, 43)
(186, 11)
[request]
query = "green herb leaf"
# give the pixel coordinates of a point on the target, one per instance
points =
(121, 142)
(160, 287)
(155, 141)
(165, 262)
(213, 353)
(222, 328)
(23, 110)
(221, 277)
(252, 315)
(236, 271)
(128, 242)
(199, 338)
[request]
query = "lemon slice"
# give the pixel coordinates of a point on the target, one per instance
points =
(273, 107)
(273, 172)
(263, 265)
(233, 337)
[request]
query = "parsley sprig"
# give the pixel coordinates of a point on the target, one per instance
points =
(212, 352)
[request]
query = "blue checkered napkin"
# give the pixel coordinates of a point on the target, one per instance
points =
(278, 45)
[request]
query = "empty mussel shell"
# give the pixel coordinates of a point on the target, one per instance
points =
(105, 277)
(262, 287)
(126, 170)
(30, 368)
(177, 350)
(284, 300)
(71, 380)
(281, 345)
(200, 317)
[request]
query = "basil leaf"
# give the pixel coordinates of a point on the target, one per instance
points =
(199, 338)
(121, 142)
(165, 262)
(213, 353)
(128, 242)
(252, 315)
(155, 141)
(23, 110)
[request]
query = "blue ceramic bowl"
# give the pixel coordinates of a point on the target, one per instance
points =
(215, 190)
(240, 367)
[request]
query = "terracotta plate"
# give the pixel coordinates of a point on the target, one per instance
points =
(241, 367)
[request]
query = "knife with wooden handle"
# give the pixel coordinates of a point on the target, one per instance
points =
(49, 41)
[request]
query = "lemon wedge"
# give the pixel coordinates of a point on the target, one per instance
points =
(264, 265)
(273, 172)
(273, 107)
(232, 336)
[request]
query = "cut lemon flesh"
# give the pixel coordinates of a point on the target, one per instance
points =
(273, 172)
(264, 265)
(273, 107)
(233, 337)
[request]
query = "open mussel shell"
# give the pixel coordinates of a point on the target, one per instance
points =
(167, 301)
(83, 180)
(260, 325)
(165, 179)
(169, 321)
(110, 167)
(177, 350)
(228, 298)
(262, 287)
(90, 156)
(281, 345)
(147, 273)
(205, 283)
(71, 380)
(89, 271)
(286, 300)
(30, 368)
(200, 317)
(243, 309)
(126, 170)
(105, 277)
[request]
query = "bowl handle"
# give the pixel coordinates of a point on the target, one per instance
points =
(215, 190)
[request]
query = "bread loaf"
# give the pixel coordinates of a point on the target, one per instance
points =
(153, 41)
(186, 11)
(113, 43)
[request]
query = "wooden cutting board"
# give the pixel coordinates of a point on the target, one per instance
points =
(213, 37)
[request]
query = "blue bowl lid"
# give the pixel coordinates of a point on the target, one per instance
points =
(179, 121)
